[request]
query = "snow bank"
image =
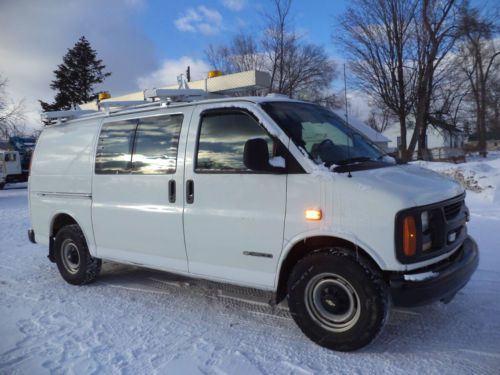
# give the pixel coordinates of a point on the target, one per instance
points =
(478, 175)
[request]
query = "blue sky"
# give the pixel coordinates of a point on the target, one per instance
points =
(313, 18)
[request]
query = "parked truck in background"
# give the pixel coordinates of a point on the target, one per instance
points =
(16, 157)
(3, 174)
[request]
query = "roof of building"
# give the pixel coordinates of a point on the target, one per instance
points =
(355, 122)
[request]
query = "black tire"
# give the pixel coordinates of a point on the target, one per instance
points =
(338, 301)
(73, 259)
(2, 185)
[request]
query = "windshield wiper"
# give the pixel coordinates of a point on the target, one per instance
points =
(358, 159)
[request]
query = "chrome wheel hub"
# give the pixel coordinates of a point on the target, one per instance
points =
(70, 256)
(332, 302)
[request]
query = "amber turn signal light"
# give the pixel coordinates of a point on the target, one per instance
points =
(313, 214)
(409, 236)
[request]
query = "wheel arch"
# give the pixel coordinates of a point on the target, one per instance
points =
(301, 248)
(59, 221)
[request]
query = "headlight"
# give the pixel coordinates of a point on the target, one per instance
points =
(424, 219)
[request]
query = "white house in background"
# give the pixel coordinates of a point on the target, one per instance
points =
(373, 135)
(435, 139)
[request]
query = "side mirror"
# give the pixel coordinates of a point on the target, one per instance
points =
(256, 155)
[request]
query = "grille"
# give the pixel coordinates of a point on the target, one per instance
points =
(452, 210)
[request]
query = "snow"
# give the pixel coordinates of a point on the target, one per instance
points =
(137, 321)
(277, 161)
(477, 176)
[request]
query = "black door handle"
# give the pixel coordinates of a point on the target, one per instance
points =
(189, 191)
(171, 191)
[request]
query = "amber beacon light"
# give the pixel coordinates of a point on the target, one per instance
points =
(313, 215)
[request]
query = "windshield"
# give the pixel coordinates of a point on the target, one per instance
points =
(324, 135)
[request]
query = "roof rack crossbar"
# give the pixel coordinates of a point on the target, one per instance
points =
(175, 94)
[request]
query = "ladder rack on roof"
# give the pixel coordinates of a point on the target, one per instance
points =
(60, 116)
(210, 88)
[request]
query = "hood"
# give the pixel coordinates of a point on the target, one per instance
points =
(413, 185)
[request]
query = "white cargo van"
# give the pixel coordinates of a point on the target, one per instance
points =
(262, 192)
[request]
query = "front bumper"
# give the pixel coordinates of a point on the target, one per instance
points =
(438, 282)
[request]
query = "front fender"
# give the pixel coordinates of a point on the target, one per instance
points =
(343, 236)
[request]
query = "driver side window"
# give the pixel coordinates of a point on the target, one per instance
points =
(221, 141)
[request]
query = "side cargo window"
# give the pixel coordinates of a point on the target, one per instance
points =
(145, 146)
(114, 150)
(221, 142)
(156, 143)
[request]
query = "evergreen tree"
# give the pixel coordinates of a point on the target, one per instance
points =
(76, 77)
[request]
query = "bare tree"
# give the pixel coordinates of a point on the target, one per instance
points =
(377, 40)
(396, 48)
(494, 100)
(379, 120)
(241, 54)
(449, 110)
(11, 114)
(298, 69)
(436, 30)
(479, 61)
(277, 39)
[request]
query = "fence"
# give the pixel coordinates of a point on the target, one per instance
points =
(455, 155)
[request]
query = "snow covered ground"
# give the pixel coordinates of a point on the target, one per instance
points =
(136, 321)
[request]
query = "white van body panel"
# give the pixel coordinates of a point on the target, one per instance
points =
(132, 218)
(60, 179)
(234, 214)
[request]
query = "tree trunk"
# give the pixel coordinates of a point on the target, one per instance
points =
(483, 151)
(402, 147)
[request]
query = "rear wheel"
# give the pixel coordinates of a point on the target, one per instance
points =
(337, 301)
(72, 256)
(2, 185)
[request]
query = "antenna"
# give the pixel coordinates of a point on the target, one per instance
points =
(347, 122)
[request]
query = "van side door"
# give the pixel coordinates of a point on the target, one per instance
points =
(137, 190)
(233, 216)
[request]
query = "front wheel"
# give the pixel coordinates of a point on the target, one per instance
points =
(337, 302)
(72, 256)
